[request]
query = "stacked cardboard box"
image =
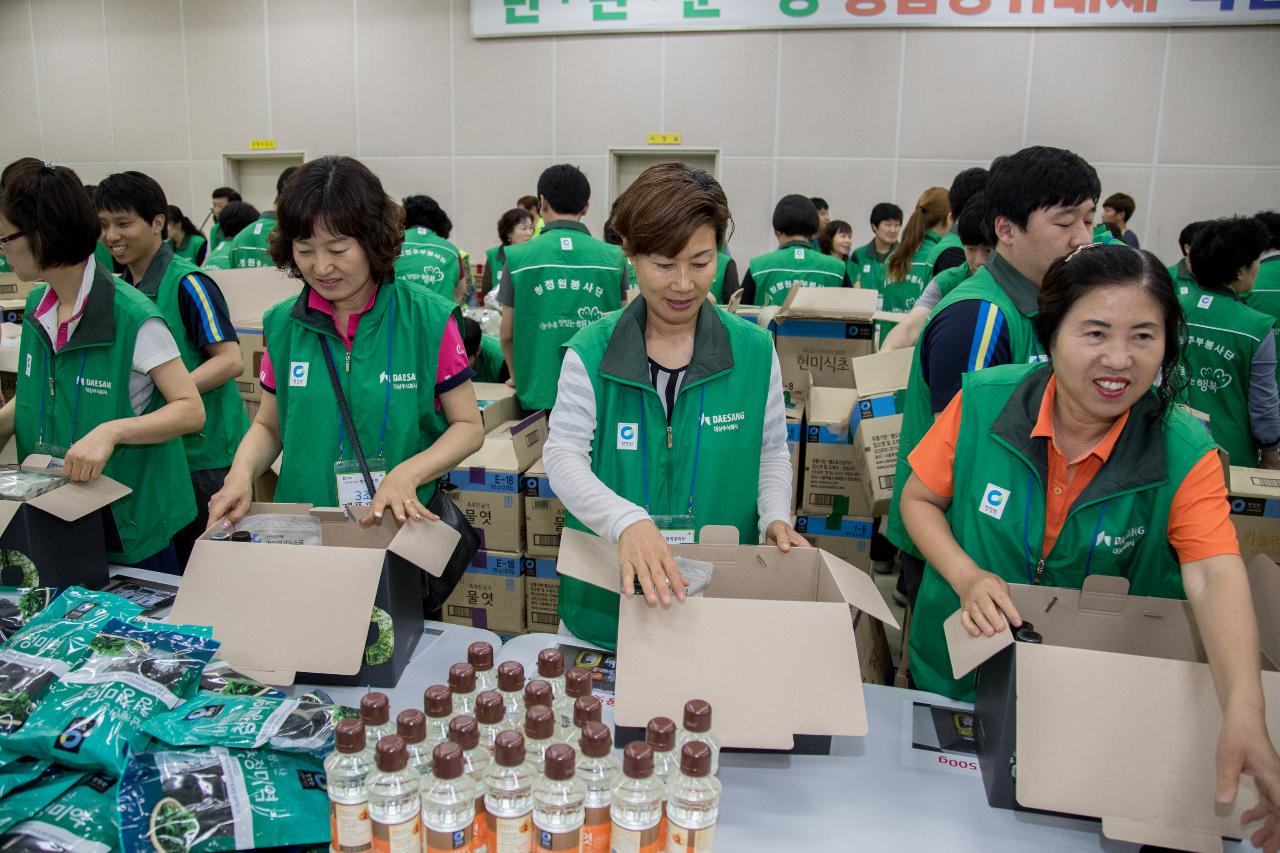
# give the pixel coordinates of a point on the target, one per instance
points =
(1255, 511)
(819, 331)
(490, 594)
(876, 422)
(542, 594)
(543, 514)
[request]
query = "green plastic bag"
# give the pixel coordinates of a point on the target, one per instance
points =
(34, 796)
(220, 677)
(92, 718)
(17, 770)
(83, 820)
(251, 722)
(208, 800)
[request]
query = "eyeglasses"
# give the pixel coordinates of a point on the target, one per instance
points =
(12, 235)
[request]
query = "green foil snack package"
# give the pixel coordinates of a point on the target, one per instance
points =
(92, 718)
(17, 770)
(251, 722)
(206, 800)
(83, 820)
(34, 796)
(18, 604)
(220, 677)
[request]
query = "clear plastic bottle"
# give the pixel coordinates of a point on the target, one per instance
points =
(491, 714)
(576, 685)
(638, 796)
(508, 796)
(551, 670)
(661, 735)
(411, 727)
(598, 770)
(559, 799)
(375, 713)
(697, 726)
(511, 686)
(448, 802)
(536, 692)
(462, 682)
(539, 733)
(395, 804)
(586, 709)
(480, 656)
(693, 800)
(437, 701)
(347, 768)
(465, 732)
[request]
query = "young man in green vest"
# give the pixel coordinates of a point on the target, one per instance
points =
(221, 197)
(235, 217)
(484, 352)
(426, 256)
(1040, 204)
(949, 251)
(557, 283)
(249, 248)
(866, 266)
(131, 209)
(1265, 296)
(1184, 281)
(794, 263)
(824, 217)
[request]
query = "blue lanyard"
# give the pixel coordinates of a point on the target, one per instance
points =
(386, 405)
(697, 449)
(75, 406)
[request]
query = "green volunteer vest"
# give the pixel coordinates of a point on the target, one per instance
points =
(225, 419)
(493, 260)
(215, 235)
(1223, 334)
(64, 395)
(106, 261)
(715, 436)
(219, 258)
(1016, 297)
(563, 280)
(249, 248)
(900, 296)
(190, 247)
(1118, 526)
(950, 240)
(1185, 284)
(717, 284)
(389, 377)
(867, 268)
(1103, 236)
(1265, 296)
(490, 361)
(428, 259)
(793, 264)
(951, 278)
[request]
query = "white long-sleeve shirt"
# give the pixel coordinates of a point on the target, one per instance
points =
(567, 457)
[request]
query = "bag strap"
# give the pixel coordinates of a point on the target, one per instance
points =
(346, 417)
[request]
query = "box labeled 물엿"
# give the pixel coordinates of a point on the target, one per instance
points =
(488, 482)
(490, 594)
(542, 594)
(543, 513)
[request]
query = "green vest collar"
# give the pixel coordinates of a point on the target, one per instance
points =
(1183, 271)
(1218, 290)
(150, 283)
(803, 243)
(870, 251)
(566, 224)
(322, 323)
(97, 326)
(1025, 295)
(627, 360)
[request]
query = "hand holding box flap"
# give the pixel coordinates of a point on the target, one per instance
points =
(968, 652)
(1264, 581)
(590, 559)
(427, 544)
(859, 589)
(74, 500)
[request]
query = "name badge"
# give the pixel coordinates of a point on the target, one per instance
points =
(352, 489)
(676, 529)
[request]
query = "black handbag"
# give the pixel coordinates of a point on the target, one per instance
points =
(437, 589)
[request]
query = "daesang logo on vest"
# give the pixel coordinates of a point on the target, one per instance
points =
(994, 500)
(628, 436)
(399, 381)
(725, 422)
(1120, 543)
(94, 386)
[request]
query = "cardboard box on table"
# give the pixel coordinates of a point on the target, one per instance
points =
(497, 402)
(308, 611)
(848, 537)
(490, 594)
(819, 330)
(767, 618)
(1114, 716)
(832, 477)
(876, 422)
(489, 486)
(543, 514)
(541, 593)
(1255, 510)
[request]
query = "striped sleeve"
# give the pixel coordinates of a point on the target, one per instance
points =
(205, 315)
(965, 336)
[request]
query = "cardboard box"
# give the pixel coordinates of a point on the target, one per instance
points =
(832, 477)
(12, 287)
(1255, 511)
(543, 514)
(541, 594)
(252, 348)
(12, 309)
(876, 422)
(249, 293)
(282, 611)
(820, 330)
(875, 661)
(498, 404)
(1114, 716)
(490, 594)
(875, 448)
(713, 646)
(883, 323)
(489, 485)
(847, 538)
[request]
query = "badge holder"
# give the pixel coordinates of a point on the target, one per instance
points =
(353, 490)
(56, 453)
(676, 529)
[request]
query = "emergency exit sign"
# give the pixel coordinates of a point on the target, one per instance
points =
(262, 144)
(666, 138)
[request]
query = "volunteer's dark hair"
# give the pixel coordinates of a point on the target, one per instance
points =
(659, 212)
(1271, 219)
(508, 221)
(235, 217)
(342, 195)
(529, 203)
(226, 192)
(608, 233)
(885, 210)
(795, 215)
(131, 192)
(969, 226)
(565, 188)
(189, 228)
(930, 212)
(1097, 265)
(423, 211)
(1187, 235)
(1121, 203)
(819, 203)
(1034, 179)
(285, 175)
(471, 334)
(965, 186)
(49, 205)
(1223, 246)
(828, 235)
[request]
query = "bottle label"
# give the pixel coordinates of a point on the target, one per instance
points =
(681, 840)
(595, 831)
(349, 827)
(510, 834)
(662, 827)
(438, 841)
(554, 842)
(480, 841)
(635, 840)
(403, 837)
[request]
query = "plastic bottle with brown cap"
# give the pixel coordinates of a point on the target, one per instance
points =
(693, 800)
(697, 726)
(411, 727)
(536, 692)
(462, 683)
(480, 656)
(465, 732)
(638, 797)
(395, 804)
(551, 669)
(448, 802)
(347, 768)
(508, 796)
(375, 713)
(598, 770)
(539, 731)
(661, 735)
(577, 683)
(491, 714)
(437, 702)
(511, 686)
(559, 799)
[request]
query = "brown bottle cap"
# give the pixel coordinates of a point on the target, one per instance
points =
(490, 708)
(437, 701)
(539, 722)
(577, 682)
(551, 663)
(462, 678)
(695, 758)
(697, 715)
(510, 676)
(595, 741)
(464, 731)
(637, 760)
(446, 760)
(661, 734)
(537, 692)
(586, 709)
(411, 725)
(375, 709)
(392, 755)
(557, 762)
(350, 736)
(480, 656)
(508, 748)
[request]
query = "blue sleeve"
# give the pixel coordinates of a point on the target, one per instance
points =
(204, 311)
(964, 336)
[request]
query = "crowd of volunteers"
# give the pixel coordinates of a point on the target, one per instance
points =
(1054, 364)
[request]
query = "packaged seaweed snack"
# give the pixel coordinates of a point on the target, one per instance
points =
(208, 800)
(221, 677)
(83, 820)
(92, 718)
(281, 529)
(18, 604)
(17, 770)
(251, 722)
(32, 797)
(19, 485)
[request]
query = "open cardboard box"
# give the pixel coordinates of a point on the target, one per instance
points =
(489, 488)
(767, 619)
(498, 404)
(281, 610)
(820, 330)
(1255, 510)
(1114, 716)
(832, 476)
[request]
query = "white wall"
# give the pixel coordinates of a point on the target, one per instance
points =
(1185, 120)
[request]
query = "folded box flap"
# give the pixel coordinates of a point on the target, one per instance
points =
(273, 677)
(968, 653)
(8, 509)
(590, 559)
(1164, 837)
(859, 589)
(836, 303)
(882, 372)
(718, 534)
(1104, 593)
(831, 407)
(427, 544)
(1264, 579)
(76, 500)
